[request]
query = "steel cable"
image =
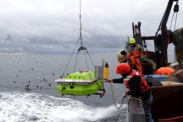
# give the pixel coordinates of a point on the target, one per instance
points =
(76, 61)
(70, 57)
(175, 21)
(171, 21)
(86, 61)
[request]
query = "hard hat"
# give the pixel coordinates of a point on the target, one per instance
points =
(122, 68)
(132, 40)
(174, 64)
(121, 56)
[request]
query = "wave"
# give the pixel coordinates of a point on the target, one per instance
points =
(20, 106)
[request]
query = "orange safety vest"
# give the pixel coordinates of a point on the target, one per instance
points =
(143, 83)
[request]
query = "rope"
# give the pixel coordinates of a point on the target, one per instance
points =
(172, 74)
(129, 99)
(122, 102)
(122, 61)
(80, 24)
(81, 37)
(117, 63)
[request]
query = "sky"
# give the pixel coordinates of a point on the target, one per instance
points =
(52, 26)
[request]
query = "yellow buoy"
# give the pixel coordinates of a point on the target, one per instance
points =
(106, 71)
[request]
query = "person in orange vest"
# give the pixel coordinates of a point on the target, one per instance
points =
(137, 86)
(134, 53)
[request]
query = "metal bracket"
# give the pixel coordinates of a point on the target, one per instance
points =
(101, 94)
(82, 48)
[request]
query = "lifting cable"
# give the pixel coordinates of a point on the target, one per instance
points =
(81, 37)
(175, 21)
(176, 9)
(70, 58)
(81, 48)
(76, 61)
(86, 61)
(171, 21)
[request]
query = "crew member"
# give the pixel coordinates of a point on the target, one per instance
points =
(137, 86)
(134, 53)
(175, 65)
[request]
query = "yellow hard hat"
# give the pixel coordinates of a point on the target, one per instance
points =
(132, 40)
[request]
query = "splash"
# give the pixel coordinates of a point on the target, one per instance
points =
(19, 106)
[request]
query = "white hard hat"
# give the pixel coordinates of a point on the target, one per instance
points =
(121, 56)
(174, 64)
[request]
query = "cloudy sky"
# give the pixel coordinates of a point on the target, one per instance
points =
(52, 26)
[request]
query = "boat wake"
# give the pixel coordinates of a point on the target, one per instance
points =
(19, 106)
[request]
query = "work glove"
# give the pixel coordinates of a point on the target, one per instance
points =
(109, 80)
(127, 56)
(125, 94)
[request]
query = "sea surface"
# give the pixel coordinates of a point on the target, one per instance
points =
(45, 104)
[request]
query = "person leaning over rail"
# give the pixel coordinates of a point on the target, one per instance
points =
(137, 86)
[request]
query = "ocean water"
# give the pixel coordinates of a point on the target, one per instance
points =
(45, 104)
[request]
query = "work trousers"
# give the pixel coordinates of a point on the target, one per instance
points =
(147, 109)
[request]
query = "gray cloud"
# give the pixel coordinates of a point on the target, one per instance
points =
(52, 26)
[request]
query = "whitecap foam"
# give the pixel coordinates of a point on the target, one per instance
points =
(19, 106)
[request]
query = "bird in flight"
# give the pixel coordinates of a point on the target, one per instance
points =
(7, 39)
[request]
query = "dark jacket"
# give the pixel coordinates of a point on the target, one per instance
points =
(134, 84)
